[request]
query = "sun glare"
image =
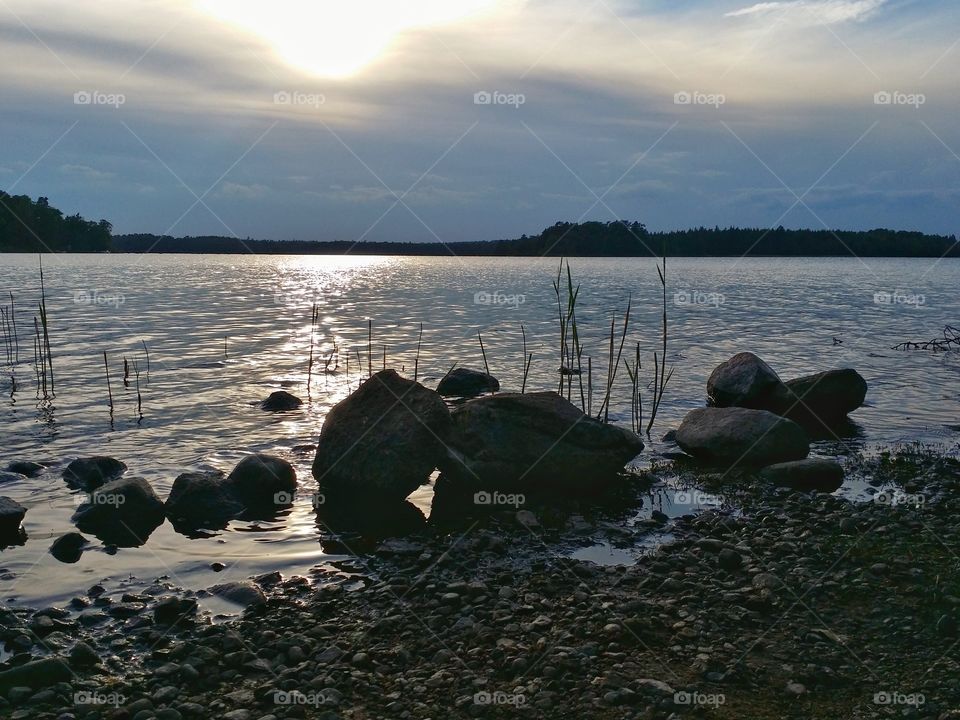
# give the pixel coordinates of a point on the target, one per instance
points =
(338, 39)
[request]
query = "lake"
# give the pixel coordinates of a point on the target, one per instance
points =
(225, 331)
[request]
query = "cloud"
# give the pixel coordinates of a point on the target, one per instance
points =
(826, 12)
(242, 192)
(85, 172)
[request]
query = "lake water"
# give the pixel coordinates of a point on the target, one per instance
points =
(225, 331)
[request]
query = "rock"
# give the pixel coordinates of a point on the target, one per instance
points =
(262, 482)
(175, 611)
(25, 467)
(280, 401)
(242, 593)
(947, 626)
(68, 548)
(531, 443)
(12, 478)
(826, 397)
(729, 559)
(462, 382)
(383, 441)
(92, 472)
(817, 474)
(733, 435)
(83, 656)
(745, 381)
(36, 674)
(202, 500)
(123, 512)
(11, 515)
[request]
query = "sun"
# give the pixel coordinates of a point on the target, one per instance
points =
(338, 39)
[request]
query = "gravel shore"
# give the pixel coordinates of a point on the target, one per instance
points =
(777, 605)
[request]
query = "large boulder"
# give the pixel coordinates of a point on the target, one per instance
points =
(26, 467)
(534, 443)
(36, 674)
(202, 500)
(463, 382)
(383, 441)
(11, 515)
(92, 472)
(818, 474)
(122, 512)
(257, 486)
(741, 436)
(280, 401)
(745, 381)
(828, 396)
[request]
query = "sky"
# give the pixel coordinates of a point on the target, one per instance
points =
(433, 120)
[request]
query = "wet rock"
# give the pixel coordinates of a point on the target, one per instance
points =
(243, 593)
(12, 478)
(826, 397)
(281, 401)
(175, 611)
(25, 467)
(817, 474)
(537, 442)
(383, 441)
(11, 515)
(463, 382)
(92, 472)
(123, 512)
(740, 436)
(202, 500)
(83, 656)
(36, 674)
(262, 482)
(745, 381)
(68, 548)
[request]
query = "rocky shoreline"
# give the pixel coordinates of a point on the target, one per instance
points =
(796, 605)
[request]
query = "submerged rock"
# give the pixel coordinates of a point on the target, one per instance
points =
(11, 515)
(68, 548)
(122, 512)
(383, 441)
(262, 482)
(202, 500)
(25, 467)
(826, 397)
(258, 486)
(92, 472)
(732, 436)
(533, 443)
(281, 401)
(463, 382)
(745, 381)
(811, 474)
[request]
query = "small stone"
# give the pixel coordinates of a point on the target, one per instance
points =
(729, 559)
(83, 656)
(796, 689)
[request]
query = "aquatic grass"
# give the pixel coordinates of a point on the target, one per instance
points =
(106, 369)
(486, 367)
(660, 375)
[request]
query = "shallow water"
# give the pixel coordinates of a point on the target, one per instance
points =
(225, 331)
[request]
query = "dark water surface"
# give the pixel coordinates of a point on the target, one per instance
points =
(200, 402)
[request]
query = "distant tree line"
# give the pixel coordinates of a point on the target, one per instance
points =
(28, 226)
(592, 239)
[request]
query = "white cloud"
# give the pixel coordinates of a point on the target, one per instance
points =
(243, 192)
(827, 12)
(85, 172)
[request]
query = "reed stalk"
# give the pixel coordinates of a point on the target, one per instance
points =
(486, 368)
(106, 369)
(416, 361)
